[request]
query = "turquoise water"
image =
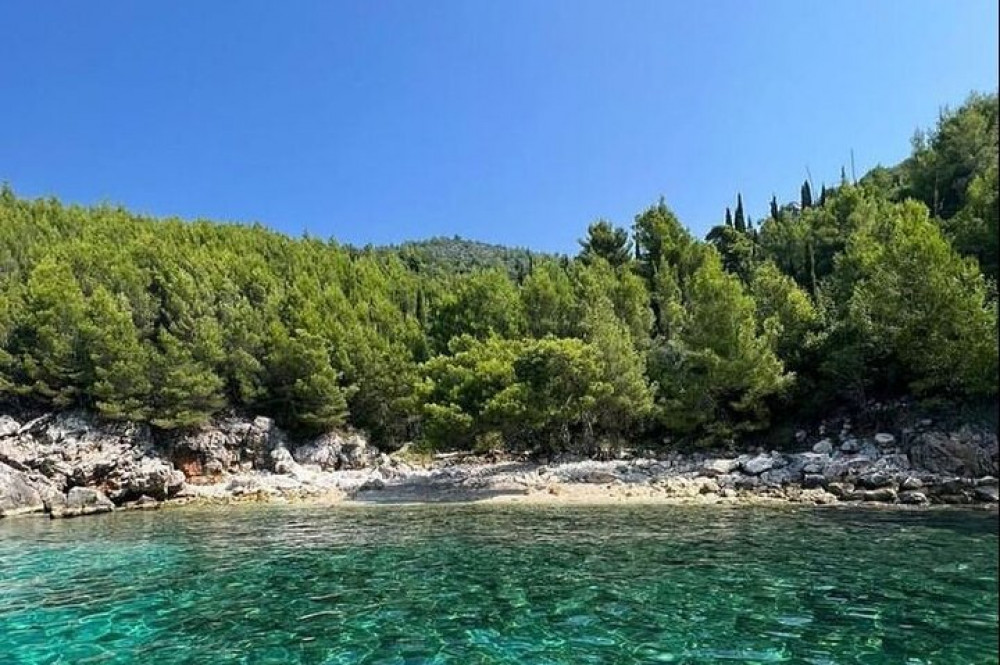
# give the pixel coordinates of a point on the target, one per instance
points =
(487, 584)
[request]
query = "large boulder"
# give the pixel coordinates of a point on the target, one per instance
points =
(8, 426)
(881, 495)
(814, 481)
(283, 462)
(80, 501)
(847, 468)
(720, 467)
(777, 477)
(22, 492)
(966, 452)
(823, 447)
(334, 450)
(758, 464)
(987, 493)
(850, 445)
(913, 497)
(323, 451)
(801, 463)
(874, 480)
(150, 476)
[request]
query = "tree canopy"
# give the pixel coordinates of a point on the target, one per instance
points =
(884, 287)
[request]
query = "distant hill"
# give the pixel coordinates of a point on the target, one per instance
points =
(459, 255)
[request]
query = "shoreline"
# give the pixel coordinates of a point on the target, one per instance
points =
(69, 465)
(575, 494)
(530, 499)
(568, 495)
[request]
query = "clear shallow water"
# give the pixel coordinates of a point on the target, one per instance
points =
(489, 584)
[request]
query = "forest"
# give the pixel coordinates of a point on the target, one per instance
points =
(876, 288)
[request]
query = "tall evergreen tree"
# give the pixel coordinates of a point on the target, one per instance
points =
(806, 199)
(739, 223)
(607, 242)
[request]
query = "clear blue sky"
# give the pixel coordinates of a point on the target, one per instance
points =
(509, 121)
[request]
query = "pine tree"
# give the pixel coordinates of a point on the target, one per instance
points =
(187, 391)
(118, 382)
(623, 394)
(607, 242)
(48, 350)
(304, 389)
(717, 373)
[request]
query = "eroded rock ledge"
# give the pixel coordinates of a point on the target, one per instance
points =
(69, 464)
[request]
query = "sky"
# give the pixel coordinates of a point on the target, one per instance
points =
(517, 121)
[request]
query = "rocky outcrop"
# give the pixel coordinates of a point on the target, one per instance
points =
(72, 464)
(73, 449)
(965, 452)
(227, 446)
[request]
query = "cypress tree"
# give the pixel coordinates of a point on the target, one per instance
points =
(807, 198)
(822, 195)
(729, 217)
(739, 222)
(421, 313)
(774, 207)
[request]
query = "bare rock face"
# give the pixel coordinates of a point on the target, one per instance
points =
(57, 462)
(966, 452)
(75, 449)
(228, 446)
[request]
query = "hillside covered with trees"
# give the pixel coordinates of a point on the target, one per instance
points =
(885, 287)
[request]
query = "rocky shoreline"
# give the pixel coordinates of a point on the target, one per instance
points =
(70, 464)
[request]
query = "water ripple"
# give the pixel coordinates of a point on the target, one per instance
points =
(499, 584)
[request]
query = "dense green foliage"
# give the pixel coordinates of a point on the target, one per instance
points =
(885, 287)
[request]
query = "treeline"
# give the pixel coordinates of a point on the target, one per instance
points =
(877, 288)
